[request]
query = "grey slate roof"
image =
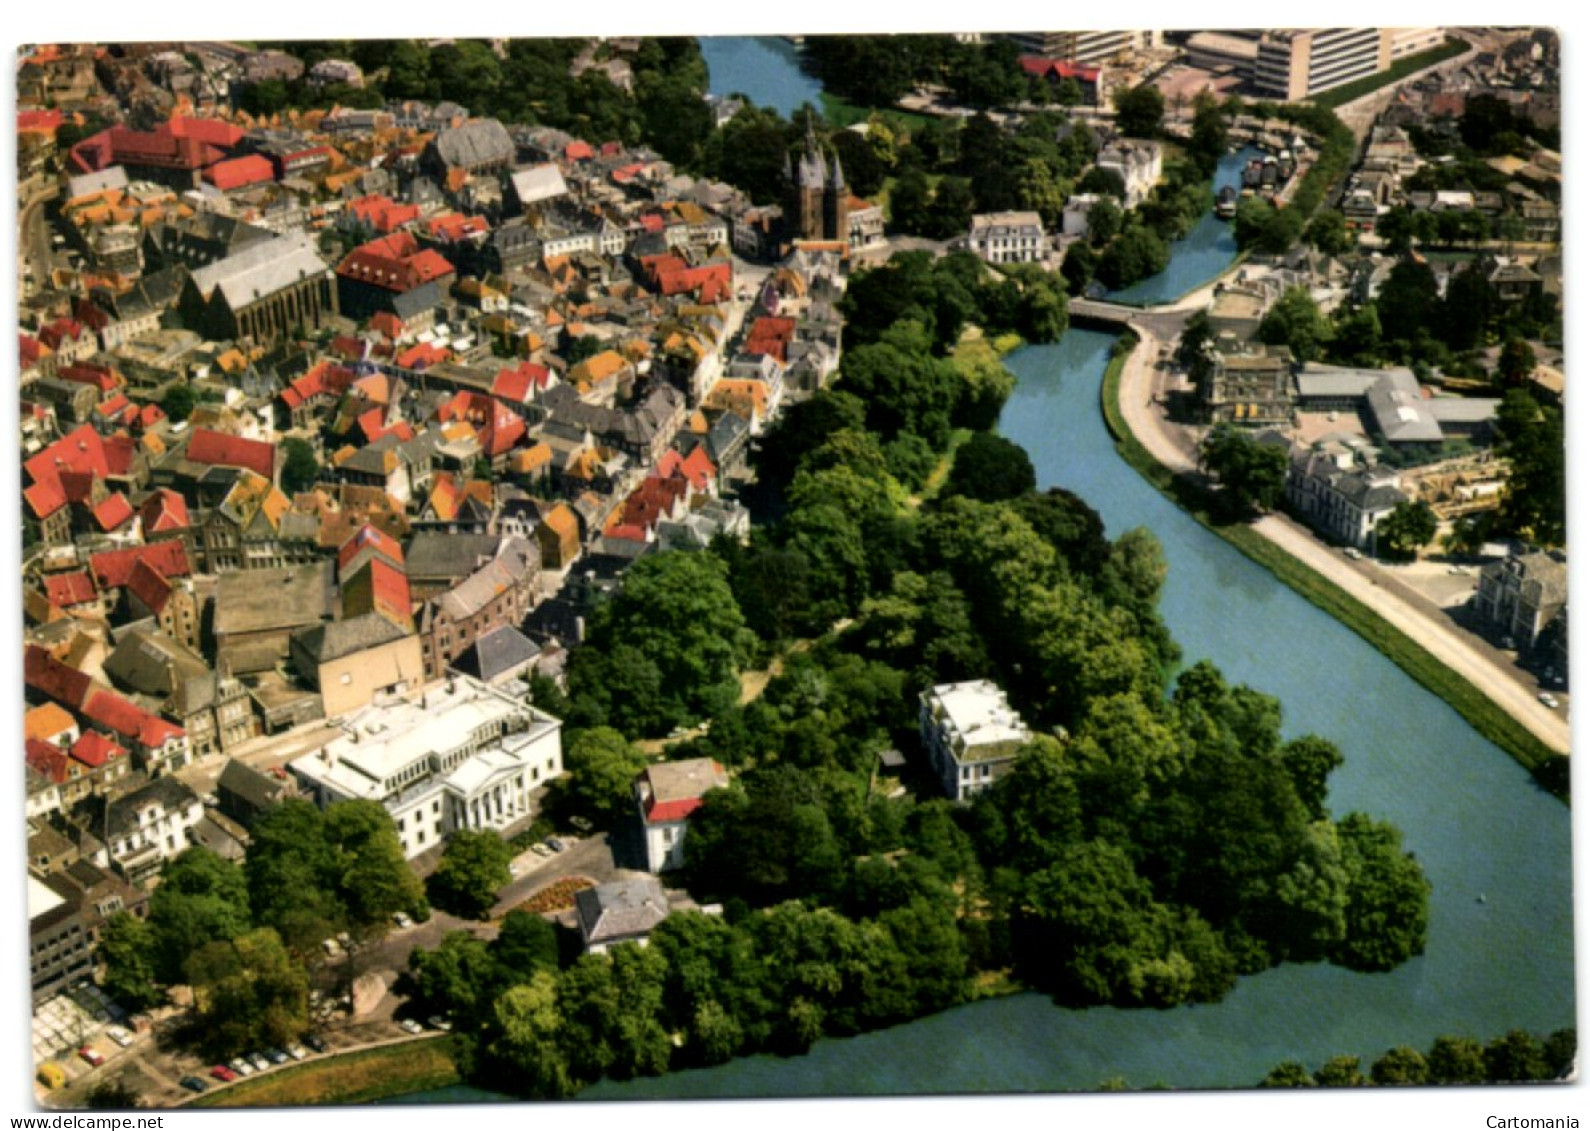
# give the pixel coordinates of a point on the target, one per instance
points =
(474, 144)
(515, 558)
(121, 816)
(435, 554)
(327, 642)
(625, 909)
(263, 600)
(261, 269)
(500, 651)
(153, 663)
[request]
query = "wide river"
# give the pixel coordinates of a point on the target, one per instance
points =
(1495, 847)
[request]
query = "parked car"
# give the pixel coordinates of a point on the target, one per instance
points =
(194, 1084)
(121, 1036)
(259, 1062)
(440, 1023)
(276, 1056)
(540, 850)
(298, 1052)
(409, 1025)
(556, 844)
(1549, 699)
(331, 947)
(240, 1066)
(224, 1074)
(314, 1041)
(403, 921)
(1353, 552)
(92, 1055)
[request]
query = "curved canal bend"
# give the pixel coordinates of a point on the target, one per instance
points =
(1474, 817)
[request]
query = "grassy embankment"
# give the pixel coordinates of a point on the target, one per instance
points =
(1477, 709)
(840, 113)
(1342, 95)
(351, 1078)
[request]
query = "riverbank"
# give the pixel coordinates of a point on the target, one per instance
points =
(1456, 675)
(377, 1073)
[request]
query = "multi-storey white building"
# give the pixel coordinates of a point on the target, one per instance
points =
(459, 755)
(1295, 64)
(971, 735)
(1007, 237)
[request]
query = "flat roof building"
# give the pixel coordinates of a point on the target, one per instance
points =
(971, 735)
(459, 755)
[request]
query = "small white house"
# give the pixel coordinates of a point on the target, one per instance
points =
(667, 795)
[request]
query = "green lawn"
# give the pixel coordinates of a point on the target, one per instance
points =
(1469, 701)
(1331, 99)
(841, 113)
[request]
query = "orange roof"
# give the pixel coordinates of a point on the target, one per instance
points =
(46, 722)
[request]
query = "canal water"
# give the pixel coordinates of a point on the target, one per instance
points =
(1198, 256)
(1495, 847)
(764, 68)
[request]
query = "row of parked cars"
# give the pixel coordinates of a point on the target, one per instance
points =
(241, 1066)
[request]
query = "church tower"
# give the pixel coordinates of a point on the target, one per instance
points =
(836, 205)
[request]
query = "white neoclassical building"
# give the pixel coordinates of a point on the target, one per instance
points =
(459, 755)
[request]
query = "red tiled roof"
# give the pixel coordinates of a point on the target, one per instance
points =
(119, 452)
(698, 470)
(240, 172)
(182, 143)
(154, 732)
(44, 673)
(579, 151)
(149, 416)
(421, 355)
(383, 213)
(150, 587)
(112, 569)
(648, 504)
(48, 759)
(390, 587)
(44, 499)
(164, 510)
(41, 121)
(112, 512)
(31, 350)
(661, 811)
(456, 226)
(496, 426)
(111, 710)
(515, 384)
(387, 323)
(94, 750)
(67, 589)
(1058, 69)
(626, 531)
(217, 448)
(115, 406)
(62, 329)
(324, 379)
(394, 263)
(368, 535)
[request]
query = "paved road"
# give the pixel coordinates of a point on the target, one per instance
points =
(1427, 625)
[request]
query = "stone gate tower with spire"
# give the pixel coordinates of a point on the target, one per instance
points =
(817, 203)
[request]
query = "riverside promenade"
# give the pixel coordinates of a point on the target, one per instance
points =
(1143, 385)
